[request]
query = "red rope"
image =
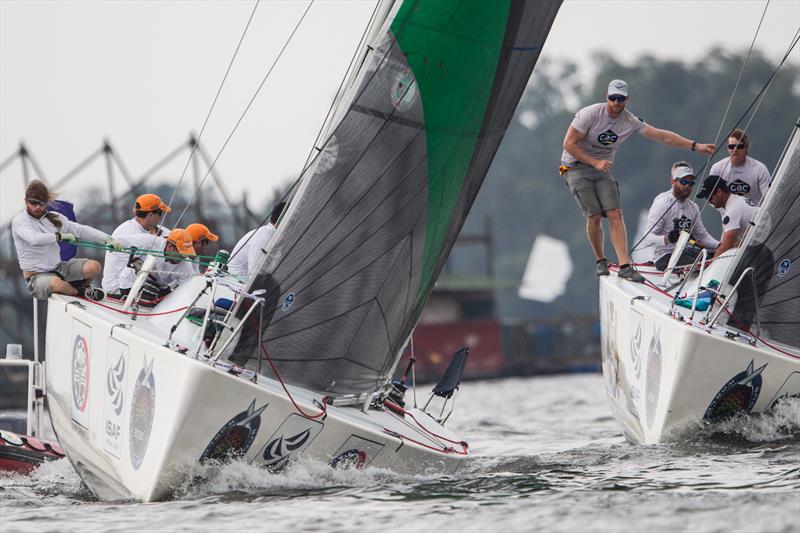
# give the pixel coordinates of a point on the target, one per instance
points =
(418, 443)
(399, 409)
(131, 312)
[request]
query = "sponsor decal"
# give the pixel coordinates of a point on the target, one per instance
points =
(610, 354)
(116, 372)
(143, 405)
(234, 439)
(11, 438)
(607, 138)
(403, 91)
(80, 372)
(726, 220)
(739, 187)
(653, 374)
(292, 437)
(789, 389)
(784, 266)
(288, 301)
(637, 326)
(738, 395)
(682, 223)
(356, 452)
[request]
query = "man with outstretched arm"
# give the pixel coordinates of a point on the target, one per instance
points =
(37, 232)
(672, 211)
(591, 141)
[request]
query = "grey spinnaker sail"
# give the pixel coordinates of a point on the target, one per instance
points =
(379, 208)
(773, 250)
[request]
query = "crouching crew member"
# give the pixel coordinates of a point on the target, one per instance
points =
(202, 237)
(737, 212)
(252, 246)
(169, 270)
(673, 211)
(37, 232)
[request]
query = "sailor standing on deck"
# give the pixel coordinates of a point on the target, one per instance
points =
(589, 147)
(746, 176)
(37, 232)
(148, 211)
(737, 212)
(673, 211)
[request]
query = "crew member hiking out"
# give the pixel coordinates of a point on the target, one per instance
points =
(37, 232)
(589, 147)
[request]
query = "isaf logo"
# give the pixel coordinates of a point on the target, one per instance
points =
(784, 267)
(113, 384)
(607, 138)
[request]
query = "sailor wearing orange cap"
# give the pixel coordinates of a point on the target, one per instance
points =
(148, 211)
(169, 270)
(201, 239)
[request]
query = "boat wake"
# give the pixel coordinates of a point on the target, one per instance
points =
(781, 423)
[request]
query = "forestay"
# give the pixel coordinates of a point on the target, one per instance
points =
(380, 207)
(773, 249)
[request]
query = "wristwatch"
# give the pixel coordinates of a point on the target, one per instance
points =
(694, 145)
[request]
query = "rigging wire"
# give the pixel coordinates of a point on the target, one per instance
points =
(756, 101)
(211, 109)
(244, 113)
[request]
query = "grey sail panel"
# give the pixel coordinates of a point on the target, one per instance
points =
(774, 252)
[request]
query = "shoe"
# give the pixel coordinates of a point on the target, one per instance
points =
(602, 268)
(630, 273)
(94, 294)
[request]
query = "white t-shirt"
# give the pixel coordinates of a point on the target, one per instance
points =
(249, 250)
(114, 262)
(680, 214)
(604, 134)
(738, 214)
(750, 180)
(36, 242)
(167, 274)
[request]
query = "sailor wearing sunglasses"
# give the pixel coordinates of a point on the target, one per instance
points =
(589, 147)
(673, 211)
(746, 176)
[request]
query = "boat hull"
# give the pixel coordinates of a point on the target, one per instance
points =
(135, 417)
(666, 378)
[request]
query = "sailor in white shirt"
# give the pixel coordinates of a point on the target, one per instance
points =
(737, 212)
(746, 176)
(252, 246)
(591, 141)
(36, 233)
(673, 211)
(169, 270)
(148, 211)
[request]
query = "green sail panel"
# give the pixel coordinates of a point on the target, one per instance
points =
(379, 208)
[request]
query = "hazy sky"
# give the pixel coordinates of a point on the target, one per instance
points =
(145, 74)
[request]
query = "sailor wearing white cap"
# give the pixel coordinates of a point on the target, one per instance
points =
(589, 147)
(673, 211)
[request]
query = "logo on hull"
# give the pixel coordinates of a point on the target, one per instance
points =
(234, 439)
(80, 373)
(143, 407)
(292, 437)
(739, 395)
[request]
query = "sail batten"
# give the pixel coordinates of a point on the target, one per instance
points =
(380, 206)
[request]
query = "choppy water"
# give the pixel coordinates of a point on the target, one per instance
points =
(547, 456)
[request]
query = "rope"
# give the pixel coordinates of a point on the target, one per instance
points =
(399, 409)
(246, 109)
(133, 313)
(213, 104)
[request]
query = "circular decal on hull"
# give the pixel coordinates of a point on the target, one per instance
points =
(653, 382)
(349, 459)
(739, 395)
(80, 373)
(234, 438)
(143, 407)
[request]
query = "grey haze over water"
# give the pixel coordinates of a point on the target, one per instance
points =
(547, 455)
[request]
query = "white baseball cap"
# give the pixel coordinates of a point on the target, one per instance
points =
(682, 172)
(618, 87)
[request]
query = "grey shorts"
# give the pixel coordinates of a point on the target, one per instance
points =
(39, 284)
(596, 192)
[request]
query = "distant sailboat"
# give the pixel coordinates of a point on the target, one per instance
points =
(302, 361)
(547, 271)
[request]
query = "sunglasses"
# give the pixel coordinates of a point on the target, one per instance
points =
(735, 146)
(204, 242)
(684, 181)
(617, 98)
(35, 203)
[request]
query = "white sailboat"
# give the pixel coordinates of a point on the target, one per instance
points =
(669, 369)
(299, 358)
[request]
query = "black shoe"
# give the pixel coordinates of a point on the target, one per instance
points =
(94, 294)
(602, 268)
(630, 273)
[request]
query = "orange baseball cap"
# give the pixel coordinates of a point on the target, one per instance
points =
(151, 202)
(201, 231)
(182, 240)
